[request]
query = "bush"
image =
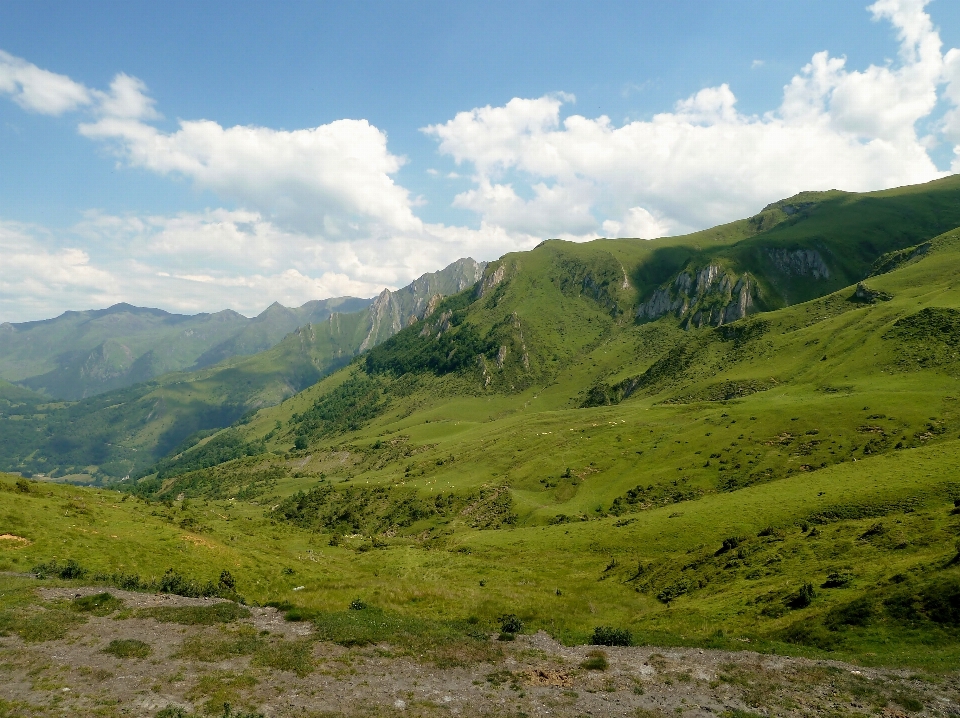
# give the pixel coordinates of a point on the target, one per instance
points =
(728, 545)
(510, 623)
(802, 598)
(68, 570)
(837, 579)
(227, 583)
(607, 636)
(23, 486)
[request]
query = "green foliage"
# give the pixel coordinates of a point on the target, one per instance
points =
(803, 597)
(68, 570)
(225, 446)
(242, 479)
(170, 582)
(838, 579)
(450, 347)
(346, 408)
(609, 636)
(128, 648)
(511, 623)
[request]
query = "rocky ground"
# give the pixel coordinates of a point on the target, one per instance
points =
(262, 664)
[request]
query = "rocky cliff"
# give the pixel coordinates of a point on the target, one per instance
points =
(711, 295)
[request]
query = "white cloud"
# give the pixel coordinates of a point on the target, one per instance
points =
(637, 222)
(38, 277)
(334, 179)
(127, 99)
(705, 162)
(39, 90)
(216, 259)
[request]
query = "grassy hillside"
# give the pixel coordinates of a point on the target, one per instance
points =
(783, 482)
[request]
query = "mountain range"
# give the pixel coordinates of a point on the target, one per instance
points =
(258, 362)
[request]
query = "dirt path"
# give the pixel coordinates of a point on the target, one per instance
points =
(537, 676)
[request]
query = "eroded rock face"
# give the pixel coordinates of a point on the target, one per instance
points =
(799, 262)
(710, 296)
(490, 281)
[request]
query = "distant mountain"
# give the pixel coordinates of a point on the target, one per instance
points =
(81, 354)
(120, 431)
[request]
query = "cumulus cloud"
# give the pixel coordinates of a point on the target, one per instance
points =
(706, 162)
(334, 179)
(39, 276)
(37, 90)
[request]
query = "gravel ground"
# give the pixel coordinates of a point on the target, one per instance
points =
(536, 677)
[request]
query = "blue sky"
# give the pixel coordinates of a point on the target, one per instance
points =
(198, 156)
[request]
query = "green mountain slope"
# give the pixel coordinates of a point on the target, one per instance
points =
(115, 433)
(534, 447)
(80, 354)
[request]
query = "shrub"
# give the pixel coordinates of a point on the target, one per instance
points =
(802, 598)
(227, 582)
(23, 486)
(607, 636)
(511, 623)
(728, 545)
(69, 569)
(837, 579)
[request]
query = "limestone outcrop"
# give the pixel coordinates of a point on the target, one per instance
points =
(710, 296)
(799, 262)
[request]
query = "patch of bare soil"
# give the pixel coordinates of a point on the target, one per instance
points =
(13, 541)
(264, 664)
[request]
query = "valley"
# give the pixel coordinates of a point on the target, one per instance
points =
(744, 439)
